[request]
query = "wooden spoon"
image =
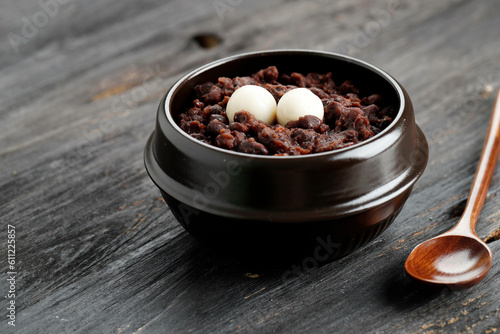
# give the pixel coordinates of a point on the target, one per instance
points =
(458, 258)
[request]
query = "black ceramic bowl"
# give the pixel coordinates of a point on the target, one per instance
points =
(320, 206)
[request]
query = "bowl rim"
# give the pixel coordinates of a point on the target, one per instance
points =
(397, 87)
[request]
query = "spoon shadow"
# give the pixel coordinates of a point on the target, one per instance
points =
(403, 292)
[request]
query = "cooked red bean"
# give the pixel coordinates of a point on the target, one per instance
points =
(251, 146)
(214, 127)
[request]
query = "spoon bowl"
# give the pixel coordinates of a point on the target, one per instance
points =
(459, 258)
(454, 260)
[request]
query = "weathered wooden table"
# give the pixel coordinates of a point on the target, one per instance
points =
(97, 251)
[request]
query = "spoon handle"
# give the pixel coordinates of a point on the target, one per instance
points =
(484, 173)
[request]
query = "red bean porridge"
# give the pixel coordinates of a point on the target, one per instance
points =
(348, 117)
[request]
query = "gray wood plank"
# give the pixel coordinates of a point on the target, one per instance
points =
(97, 249)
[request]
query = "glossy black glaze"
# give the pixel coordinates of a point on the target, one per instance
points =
(281, 203)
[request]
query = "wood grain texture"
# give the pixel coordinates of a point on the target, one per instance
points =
(97, 249)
